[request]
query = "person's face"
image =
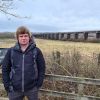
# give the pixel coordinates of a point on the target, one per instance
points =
(23, 39)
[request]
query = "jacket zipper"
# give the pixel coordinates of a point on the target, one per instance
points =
(23, 73)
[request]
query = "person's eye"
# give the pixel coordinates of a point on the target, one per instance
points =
(20, 36)
(26, 35)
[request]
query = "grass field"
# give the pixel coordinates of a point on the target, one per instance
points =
(62, 46)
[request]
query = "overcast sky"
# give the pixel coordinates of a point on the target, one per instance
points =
(53, 15)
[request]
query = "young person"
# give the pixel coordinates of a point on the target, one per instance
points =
(23, 67)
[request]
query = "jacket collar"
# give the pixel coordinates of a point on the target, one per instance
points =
(30, 46)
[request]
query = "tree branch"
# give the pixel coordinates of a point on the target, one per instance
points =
(17, 16)
(5, 6)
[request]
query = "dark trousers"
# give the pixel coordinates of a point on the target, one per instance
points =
(31, 95)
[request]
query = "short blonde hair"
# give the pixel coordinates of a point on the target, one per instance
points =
(23, 30)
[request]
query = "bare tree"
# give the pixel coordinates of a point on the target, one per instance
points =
(6, 6)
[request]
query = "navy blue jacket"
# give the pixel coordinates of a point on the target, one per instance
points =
(21, 75)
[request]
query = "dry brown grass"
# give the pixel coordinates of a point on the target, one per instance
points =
(63, 46)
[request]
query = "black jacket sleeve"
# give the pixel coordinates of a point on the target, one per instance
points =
(41, 68)
(6, 68)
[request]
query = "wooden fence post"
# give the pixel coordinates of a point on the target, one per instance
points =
(98, 59)
(56, 57)
(80, 91)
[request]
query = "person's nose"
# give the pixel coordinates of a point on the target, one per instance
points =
(23, 37)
